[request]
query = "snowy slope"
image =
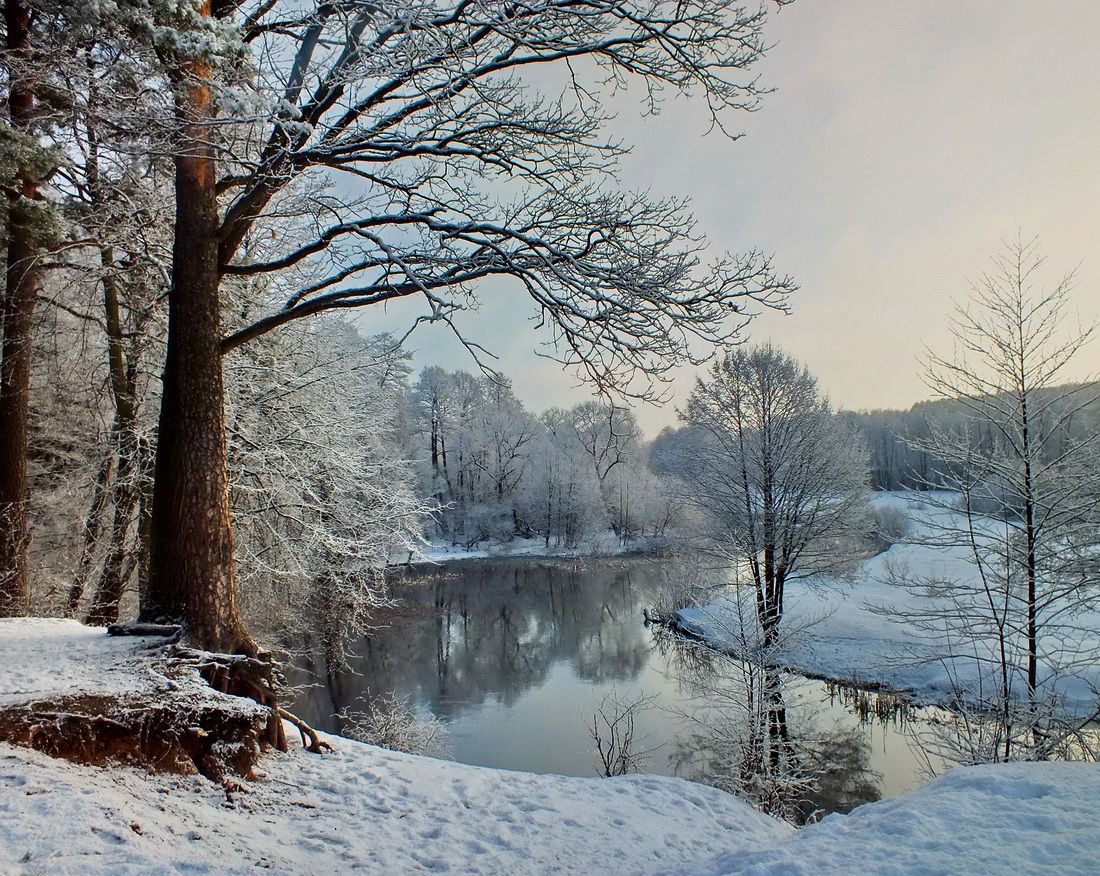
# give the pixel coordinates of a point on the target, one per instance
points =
(361, 809)
(839, 635)
(1009, 819)
(364, 809)
(51, 657)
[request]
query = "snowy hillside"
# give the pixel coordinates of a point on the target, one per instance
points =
(1005, 819)
(364, 809)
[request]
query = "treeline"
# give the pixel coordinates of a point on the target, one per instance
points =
(897, 440)
(496, 470)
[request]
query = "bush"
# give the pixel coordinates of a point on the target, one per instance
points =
(391, 722)
(892, 524)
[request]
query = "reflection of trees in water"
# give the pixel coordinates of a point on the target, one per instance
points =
(494, 629)
(748, 741)
(871, 706)
(840, 762)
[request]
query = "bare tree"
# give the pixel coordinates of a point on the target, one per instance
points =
(613, 732)
(608, 433)
(1024, 507)
(741, 728)
(782, 479)
(320, 491)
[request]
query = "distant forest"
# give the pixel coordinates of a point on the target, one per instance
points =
(891, 434)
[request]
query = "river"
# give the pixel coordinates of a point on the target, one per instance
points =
(517, 655)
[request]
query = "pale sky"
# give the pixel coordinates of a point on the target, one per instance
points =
(904, 142)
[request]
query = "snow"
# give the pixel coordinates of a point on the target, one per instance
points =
(361, 808)
(366, 808)
(841, 637)
(1005, 819)
(53, 657)
(606, 545)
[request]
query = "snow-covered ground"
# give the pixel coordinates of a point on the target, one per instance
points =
(361, 809)
(54, 657)
(604, 545)
(837, 634)
(365, 809)
(1004, 819)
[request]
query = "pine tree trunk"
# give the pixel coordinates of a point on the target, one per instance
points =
(20, 292)
(191, 564)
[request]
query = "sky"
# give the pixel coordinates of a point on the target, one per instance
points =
(903, 143)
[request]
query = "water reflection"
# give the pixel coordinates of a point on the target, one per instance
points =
(517, 655)
(754, 737)
(481, 631)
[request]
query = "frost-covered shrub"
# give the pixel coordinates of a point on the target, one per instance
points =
(390, 721)
(892, 524)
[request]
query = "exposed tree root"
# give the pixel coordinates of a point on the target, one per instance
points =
(183, 725)
(178, 732)
(241, 675)
(311, 740)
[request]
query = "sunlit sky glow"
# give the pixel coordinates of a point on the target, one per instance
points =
(903, 142)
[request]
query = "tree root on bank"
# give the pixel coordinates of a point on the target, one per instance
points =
(169, 731)
(311, 739)
(213, 714)
(240, 675)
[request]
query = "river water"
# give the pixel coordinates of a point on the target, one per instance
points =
(516, 657)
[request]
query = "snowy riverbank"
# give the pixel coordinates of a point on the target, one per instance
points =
(366, 809)
(838, 633)
(605, 545)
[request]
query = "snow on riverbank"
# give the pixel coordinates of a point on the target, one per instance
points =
(360, 809)
(607, 544)
(364, 809)
(840, 636)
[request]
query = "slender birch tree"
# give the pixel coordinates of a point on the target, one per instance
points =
(1023, 504)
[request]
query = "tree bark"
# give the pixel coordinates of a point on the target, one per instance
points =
(191, 563)
(116, 570)
(115, 573)
(20, 292)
